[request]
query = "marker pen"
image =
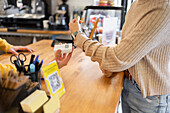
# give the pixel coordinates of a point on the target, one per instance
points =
(32, 70)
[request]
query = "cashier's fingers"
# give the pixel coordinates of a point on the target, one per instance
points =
(73, 21)
(58, 54)
(64, 55)
(69, 55)
(67, 58)
(78, 19)
(27, 48)
(14, 49)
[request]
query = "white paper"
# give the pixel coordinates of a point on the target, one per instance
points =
(109, 30)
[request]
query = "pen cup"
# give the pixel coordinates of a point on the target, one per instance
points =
(35, 77)
(7, 97)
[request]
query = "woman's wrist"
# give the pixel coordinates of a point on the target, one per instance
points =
(75, 33)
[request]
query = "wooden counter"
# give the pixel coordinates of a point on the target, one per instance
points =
(87, 90)
(32, 31)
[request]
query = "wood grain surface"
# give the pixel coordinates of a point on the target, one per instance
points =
(87, 89)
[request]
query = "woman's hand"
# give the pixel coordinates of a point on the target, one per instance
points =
(106, 73)
(74, 25)
(14, 49)
(62, 59)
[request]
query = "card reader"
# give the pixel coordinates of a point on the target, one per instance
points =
(65, 48)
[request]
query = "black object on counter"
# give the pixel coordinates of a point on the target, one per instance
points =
(55, 41)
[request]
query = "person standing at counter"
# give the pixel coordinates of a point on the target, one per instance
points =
(144, 50)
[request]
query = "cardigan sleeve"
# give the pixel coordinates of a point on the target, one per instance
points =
(4, 46)
(145, 36)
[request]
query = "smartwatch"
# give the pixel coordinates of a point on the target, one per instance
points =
(75, 34)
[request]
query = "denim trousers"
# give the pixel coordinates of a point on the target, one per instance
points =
(133, 102)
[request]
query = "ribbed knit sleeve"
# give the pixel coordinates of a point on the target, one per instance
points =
(143, 38)
(4, 46)
(144, 49)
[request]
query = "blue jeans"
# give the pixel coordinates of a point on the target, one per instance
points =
(133, 102)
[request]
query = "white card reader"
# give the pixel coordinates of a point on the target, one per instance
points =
(65, 48)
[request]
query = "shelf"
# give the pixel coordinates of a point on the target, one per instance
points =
(104, 7)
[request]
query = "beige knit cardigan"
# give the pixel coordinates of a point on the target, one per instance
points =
(144, 49)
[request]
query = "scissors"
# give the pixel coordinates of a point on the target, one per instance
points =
(19, 61)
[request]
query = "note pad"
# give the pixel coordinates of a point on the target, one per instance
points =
(53, 105)
(34, 101)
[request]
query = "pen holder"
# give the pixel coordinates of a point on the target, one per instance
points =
(29, 88)
(34, 76)
(7, 96)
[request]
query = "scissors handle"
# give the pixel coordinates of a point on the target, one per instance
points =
(12, 60)
(20, 56)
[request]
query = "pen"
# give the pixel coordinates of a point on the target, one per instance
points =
(32, 70)
(31, 61)
(39, 67)
(36, 70)
(36, 59)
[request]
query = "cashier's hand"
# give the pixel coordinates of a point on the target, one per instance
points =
(14, 49)
(62, 59)
(74, 25)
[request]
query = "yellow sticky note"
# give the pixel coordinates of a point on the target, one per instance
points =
(34, 101)
(53, 105)
(53, 79)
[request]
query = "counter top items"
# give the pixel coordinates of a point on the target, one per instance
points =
(38, 102)
(62, 41)
(65, 48)
(87, 90)
(53, 105)
(19, 62)
(10, 86)
(12, 80)
(32, 70)
(53, 80)
(34, 101)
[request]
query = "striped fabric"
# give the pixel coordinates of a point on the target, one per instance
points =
(144, 49)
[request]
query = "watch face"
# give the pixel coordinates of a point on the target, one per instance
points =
(75, 33)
